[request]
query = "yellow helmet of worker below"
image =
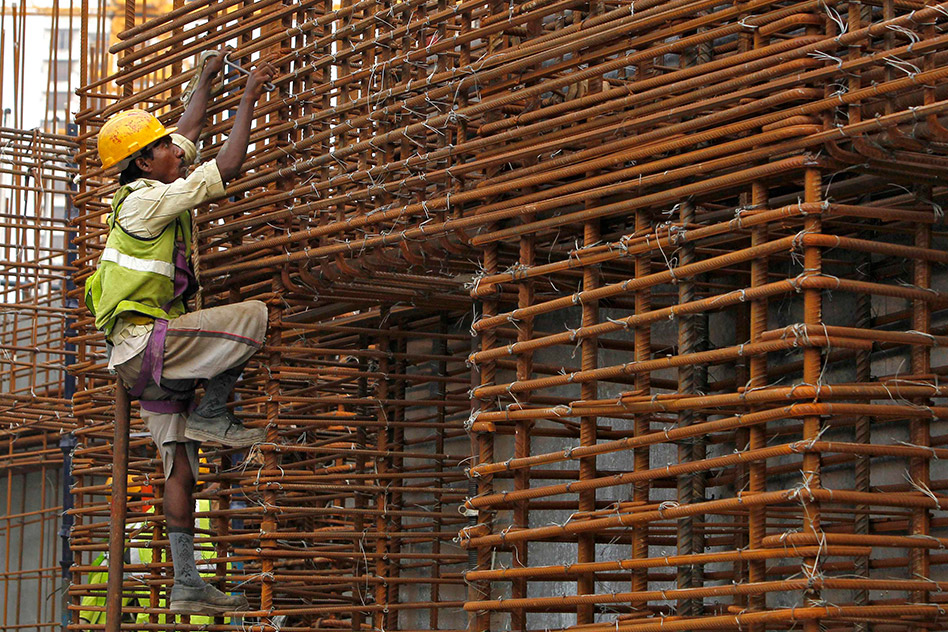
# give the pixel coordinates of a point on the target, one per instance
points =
(127, 133)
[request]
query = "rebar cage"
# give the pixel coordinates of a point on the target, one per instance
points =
(583, 315)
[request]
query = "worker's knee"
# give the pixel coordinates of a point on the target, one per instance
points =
(258, 312)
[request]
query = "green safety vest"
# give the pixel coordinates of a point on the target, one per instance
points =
(136, 274)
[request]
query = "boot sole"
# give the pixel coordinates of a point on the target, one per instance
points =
(201, 607)
(198, 435)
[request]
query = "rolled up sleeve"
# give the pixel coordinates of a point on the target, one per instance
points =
(152, 205)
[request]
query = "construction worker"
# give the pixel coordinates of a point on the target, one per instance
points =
(138, 295)
(93, 607)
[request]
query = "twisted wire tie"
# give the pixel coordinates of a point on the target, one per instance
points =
(743, 22)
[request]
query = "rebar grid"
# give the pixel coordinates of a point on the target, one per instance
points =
(701, 243)
(35, 406)
(35, 176)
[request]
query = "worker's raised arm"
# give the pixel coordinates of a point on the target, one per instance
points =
(234, 149)
(192, 121)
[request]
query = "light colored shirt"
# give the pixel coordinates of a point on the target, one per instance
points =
(149, 208)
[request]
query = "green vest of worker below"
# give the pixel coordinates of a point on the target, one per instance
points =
(92, 607)
(137, 275)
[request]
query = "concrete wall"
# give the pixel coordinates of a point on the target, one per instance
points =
(30, 590)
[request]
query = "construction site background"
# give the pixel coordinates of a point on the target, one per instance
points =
(583, 315)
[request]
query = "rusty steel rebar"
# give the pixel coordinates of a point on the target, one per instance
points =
(582, 315)
(35, 402)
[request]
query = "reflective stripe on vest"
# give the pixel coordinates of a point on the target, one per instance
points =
(137, 275)
(139, 265)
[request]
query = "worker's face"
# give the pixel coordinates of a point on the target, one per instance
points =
(166, 163)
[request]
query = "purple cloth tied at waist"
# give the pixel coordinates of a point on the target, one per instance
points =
(152, 363)
(153, 360)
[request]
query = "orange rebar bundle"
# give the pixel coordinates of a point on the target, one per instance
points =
(583, 315)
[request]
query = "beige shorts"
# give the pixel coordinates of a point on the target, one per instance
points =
(198, 345)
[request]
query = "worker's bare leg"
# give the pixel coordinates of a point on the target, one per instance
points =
(179, 491)
(189, 595)
(179, 512)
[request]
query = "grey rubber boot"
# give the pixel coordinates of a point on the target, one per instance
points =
(212, 421)
(204, 600)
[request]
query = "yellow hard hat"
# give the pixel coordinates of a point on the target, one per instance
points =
(128, 132)
(144, 490)
(203, 466)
